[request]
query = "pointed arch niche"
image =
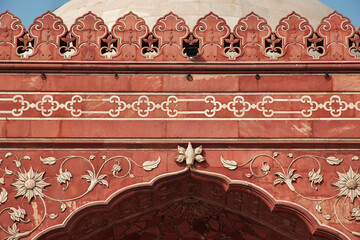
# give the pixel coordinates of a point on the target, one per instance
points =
(177, 206)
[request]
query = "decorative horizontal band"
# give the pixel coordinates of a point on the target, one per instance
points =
(179, 106)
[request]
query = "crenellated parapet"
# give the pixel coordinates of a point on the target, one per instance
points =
(134, 131)
(171, 39)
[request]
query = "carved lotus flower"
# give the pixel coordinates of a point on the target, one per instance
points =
(315, 178)
(30, 184)
(349, 184)
(116, 168)
(355, 214)
(190, 155)
(17, 215)
(265, 168)
(64, 177)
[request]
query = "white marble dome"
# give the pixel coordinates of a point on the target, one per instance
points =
(192, 10)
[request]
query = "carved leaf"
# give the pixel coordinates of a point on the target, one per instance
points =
(1, 161)
(149, 165)
(355, 158)
(26, 158)
(249, 175)
(102, 176)
(63, 207)
(199, 158)
(318, 208)
(291, 172)
(181, 150)
(180, 158)
(88, 177)
(2, 180)
(280, 174)
(229, 164)
(101, 180)
(48, 160)
(92, 157)
(327, 216)
(198, 150)
(8, 154)
(278, 181)
(3, 196)
(275, 154)
(334, 160)
(14, 230)
(295, 177)
(53, 216)
(7, 171)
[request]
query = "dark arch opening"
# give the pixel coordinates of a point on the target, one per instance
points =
(192, 205)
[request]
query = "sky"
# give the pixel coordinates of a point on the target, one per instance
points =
(348, 8)
(28, 10)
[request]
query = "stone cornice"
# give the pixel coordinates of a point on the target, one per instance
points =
(115, 67)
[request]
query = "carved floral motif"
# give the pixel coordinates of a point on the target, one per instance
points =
(48, 30)
(89, 30)
(129, 30)
(171, 31)
(293, 30)
(190, 155)
(11, 29)
(348, 183)
(355, 214)
(211, 30)
(31, 185)
(252, 30)
(336, 30)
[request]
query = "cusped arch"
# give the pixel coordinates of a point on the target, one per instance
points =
(188, 204)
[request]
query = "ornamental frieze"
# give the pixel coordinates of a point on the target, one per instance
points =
(41, 190)
(180, 106)
(171, 39)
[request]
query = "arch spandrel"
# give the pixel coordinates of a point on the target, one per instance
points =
(177, 196)
(293, 188)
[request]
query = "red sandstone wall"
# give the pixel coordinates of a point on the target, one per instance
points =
(279, 135)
